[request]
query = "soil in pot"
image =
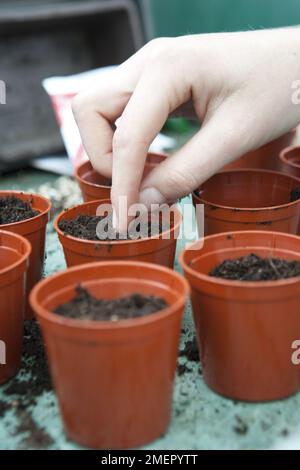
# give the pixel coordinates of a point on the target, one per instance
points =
(27, 215)
(85, 227)
(245, 330)
(87, 307)
(256, 268)
(86, 237)
(13, 209)
(108, 374)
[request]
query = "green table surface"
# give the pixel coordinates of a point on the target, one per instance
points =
(201, 419)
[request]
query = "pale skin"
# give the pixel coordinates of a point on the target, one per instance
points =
(239, 86)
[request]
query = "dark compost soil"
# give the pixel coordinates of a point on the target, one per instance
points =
(190, 350)
(13, 209)
(22, 392)
(85, 227)
(191, 353)
(295, 194)
(86, 307)
(256, 268)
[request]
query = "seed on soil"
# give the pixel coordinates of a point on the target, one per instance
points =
(85, 306)
(255, 268)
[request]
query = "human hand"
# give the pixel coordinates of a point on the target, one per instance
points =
(239, 86)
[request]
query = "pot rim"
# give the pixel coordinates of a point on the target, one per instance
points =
(102, 186)
(249, 209)
(52, 317)
(23, 257)
(284, 159)
(238, 284)
(112, 242)
(84, 181)
(40, 214)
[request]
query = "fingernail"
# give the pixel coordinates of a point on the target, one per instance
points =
(150, 196)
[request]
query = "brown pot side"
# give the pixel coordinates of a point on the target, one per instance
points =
(14, 258)
(266, 157)
(34, 230)
(249, 200)
(159, 250)
(113, 379)
(245, 329)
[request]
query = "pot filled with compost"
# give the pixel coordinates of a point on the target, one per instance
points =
(14, 260)
(246, 303)
(250, 200)
(95, 186)
(111, 331)
(27, 215)
(86, 236)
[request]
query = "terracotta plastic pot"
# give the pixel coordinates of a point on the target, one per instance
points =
(290, 161)
(245, 329)
(34, 230)
(95, 186)
(158, 249)
(249, 200)
(113, 379)
(14, 259)
(266, 157)
(153, 159)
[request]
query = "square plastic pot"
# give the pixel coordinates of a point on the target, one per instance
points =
(249, 200)
(245, 329)
(265, 157)
(113, 380)
(14, 260)
(95, 186)
(34, 230)
(159, 249)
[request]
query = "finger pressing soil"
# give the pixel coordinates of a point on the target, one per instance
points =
(89, 227)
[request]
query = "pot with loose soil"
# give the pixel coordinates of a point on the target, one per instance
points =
(250, 200)
(14, 259)
(77, 231)
(266, 157)
(290, 161)
(27, 215)
(246, 303)
(95, 186)
(111, 331)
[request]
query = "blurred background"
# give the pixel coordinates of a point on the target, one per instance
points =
(45, 38)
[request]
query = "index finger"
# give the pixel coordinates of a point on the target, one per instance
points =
(142, 119)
